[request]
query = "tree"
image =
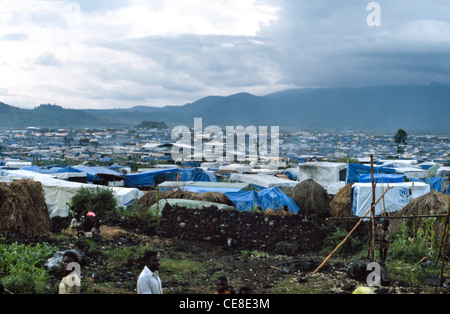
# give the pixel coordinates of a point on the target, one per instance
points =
(400, 138)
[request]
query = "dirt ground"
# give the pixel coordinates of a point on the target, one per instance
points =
(263, 273)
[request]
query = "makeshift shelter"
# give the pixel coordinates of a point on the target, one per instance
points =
(394, 200)
(355, 170)
(324, 173)
(275, 199)
(152, 197)
(197, 174)
(190, 204)
(244, 200)
(23, 208)
(202, 186)
(60, 172)
(151, 178)
(341, 205)
(435, 183)
(312, 198)
(430, 203)
(60, 192)
(382, 178)
(262, 180)
(100, 175)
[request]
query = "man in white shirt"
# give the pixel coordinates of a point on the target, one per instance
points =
(149, 281)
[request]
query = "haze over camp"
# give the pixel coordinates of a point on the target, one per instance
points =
(224, 147)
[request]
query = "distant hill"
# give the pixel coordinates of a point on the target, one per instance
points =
(44, 116)
(383, 108)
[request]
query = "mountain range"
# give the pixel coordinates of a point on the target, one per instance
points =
(420, 109)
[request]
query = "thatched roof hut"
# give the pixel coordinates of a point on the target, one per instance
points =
(341, 205)
(431, 203)
(312, 198)
(151, 197)
(23, 208)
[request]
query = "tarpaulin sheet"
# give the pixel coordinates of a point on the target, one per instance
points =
(355, 170)
(147, 178)
(395, 199)
(244, 200)
(382, 178)
(274, 198)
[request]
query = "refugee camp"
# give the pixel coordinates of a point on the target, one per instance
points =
(198, 148)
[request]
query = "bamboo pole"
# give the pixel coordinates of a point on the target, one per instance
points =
(348, 235)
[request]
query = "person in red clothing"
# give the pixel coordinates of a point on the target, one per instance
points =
(222, 286)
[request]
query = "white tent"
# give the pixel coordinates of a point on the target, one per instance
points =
(59, 192)
(394, 199)
(324, 173)
(264, 180)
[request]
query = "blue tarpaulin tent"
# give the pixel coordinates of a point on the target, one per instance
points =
(92, 172)
(244, 200)
(273, 198)
(151, 178)
(355, 170)
(434, 182)
(382, 178)
(197, 174)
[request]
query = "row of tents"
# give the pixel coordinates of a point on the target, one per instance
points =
(247, 190)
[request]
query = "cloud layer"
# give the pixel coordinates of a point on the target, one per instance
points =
(123, 53)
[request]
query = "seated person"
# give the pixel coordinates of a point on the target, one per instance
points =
(91, 225)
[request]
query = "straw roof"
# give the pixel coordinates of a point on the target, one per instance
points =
(341, 205)
(23, 208)
(312, 198)
(431, 203)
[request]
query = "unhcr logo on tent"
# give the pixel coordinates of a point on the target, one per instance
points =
(404, 192)
(235, 144)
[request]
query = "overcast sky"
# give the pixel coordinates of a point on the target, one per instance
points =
(123, 53)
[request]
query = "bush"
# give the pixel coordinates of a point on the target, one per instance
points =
(101, 201)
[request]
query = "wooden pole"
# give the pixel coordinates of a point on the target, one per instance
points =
(372, 209)
(340, 244)
(348, 235)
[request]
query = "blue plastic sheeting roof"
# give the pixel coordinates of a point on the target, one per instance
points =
(434, 182)
(91, 172)
(197, 174)
(51, 169)
(382, 178)
(291, 175)
(355, 170)
(273, 198)
(146, 178)
(244, 200)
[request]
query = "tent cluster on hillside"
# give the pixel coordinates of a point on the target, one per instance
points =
(321, 188)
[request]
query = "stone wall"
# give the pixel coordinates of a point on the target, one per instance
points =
(288, 235)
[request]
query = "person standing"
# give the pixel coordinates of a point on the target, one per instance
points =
(383, 237)
(149, 281)
(71, 282)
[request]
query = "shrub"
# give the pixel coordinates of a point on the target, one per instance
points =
(101, 201)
